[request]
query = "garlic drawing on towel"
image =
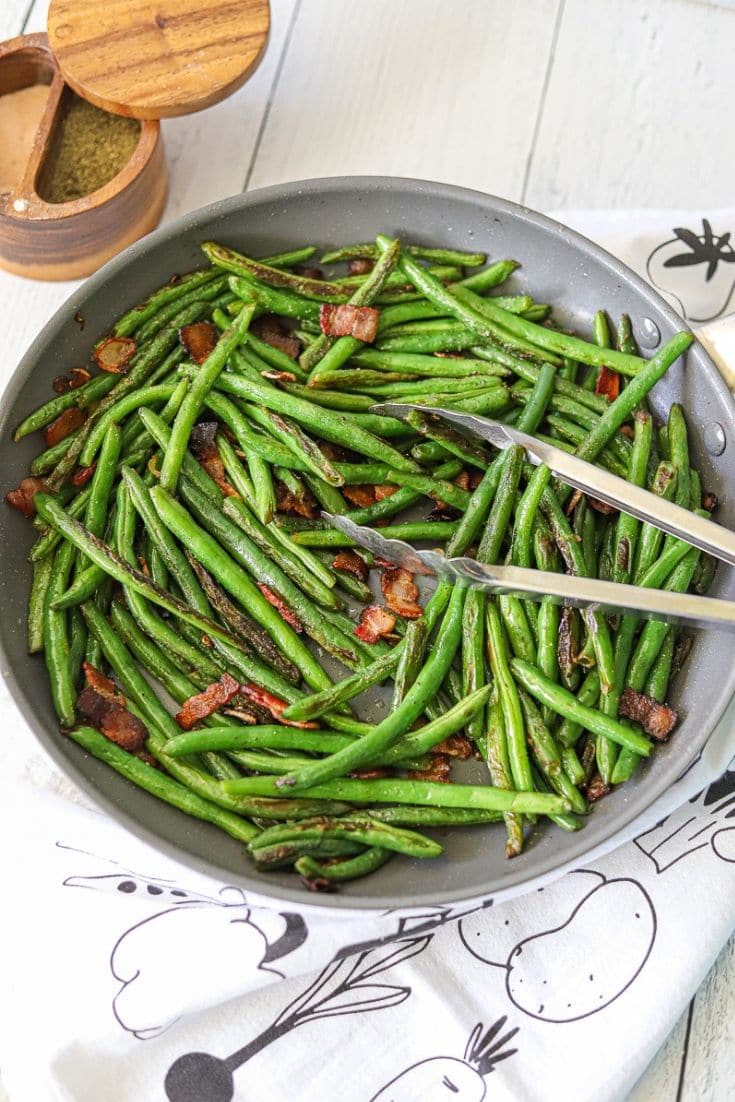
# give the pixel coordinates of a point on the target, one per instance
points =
(706, 822)
(705, 293)
(565, 971)
(153, 989)
(445, 1078)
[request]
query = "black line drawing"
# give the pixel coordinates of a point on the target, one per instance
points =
(343, 987)
(154, 991)
(439, 1078)
(566, 972)
(418, 922)
(701, 824)
(707, 296)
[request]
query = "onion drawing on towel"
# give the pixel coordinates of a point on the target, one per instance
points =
(706, 822)
(343, 987)
(704, 295)
(443, 1078)
(565, 971)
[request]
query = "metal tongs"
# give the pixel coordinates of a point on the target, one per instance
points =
(531, 584)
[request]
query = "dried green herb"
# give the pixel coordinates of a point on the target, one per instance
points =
(91, 146)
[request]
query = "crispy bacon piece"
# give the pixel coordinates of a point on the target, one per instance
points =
(596, 788)
(104, 707)
(456, 746)
(82, 475)
(468, 480)
(345, 320)
(352, 563)
(401, 593)
(361, 265)
(374, 623)
(627, 430)
(293, 504)
(22, 497)
(272, 330)
(114, 354)
(205, 451)
(385, 489)
(210, 700)
(367, 494)
(371, 774)
(77, 377)
(657, 720)
(65, 424)
(279, 376)
(281, 607)
(199, 339)
(308, 272)
(710, 501)
(602, 506)
(274, 705)
(608, 383)
(440, 770)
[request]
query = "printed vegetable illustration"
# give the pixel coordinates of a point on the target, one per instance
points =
(702, 296)
(445, 1077)
(686, 831)
(146, 959)
(566, 973)
(343, 987)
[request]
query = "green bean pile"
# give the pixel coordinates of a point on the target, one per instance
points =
(172, 574)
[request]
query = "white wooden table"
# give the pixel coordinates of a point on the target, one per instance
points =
(558, 103)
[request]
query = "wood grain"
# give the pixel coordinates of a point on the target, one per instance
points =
(157, 58)
(419, 88)
(637, 111)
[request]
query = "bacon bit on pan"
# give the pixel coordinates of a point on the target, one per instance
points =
(82, 475)
(281, 607)
(199, 339)
(300, 505)
(627, 430)
(148, 759)
(440, 770)
(371, 774)
(77, 377)
(210, 700)
(307, 272)
(205, 451)
(456, 746)
(602, 506)
(351, 563)
(336, 452)
(274, 705)
(362, 496)
(386, 489)
(468, 480)
(442, 511)
(65, 424)
(318, 884)
(608, 383)
(710, 501)
(345, 320)
(401, 593)
(279, 376)
(272, 330)
(114, 354)
(657, 720)
(22, 498)
(374, 623)
(104, 707)
(596, 788)
(361, 265)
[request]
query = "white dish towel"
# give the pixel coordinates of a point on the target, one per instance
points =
(127, 977)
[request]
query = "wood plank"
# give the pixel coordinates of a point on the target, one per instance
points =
(660, 1081)
(635, 113)
(452, 92)
(12, 17)
(710, 1067)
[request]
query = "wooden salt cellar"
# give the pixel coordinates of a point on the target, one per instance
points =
(189, 54)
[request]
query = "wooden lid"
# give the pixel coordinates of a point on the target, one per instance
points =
(152, 59)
